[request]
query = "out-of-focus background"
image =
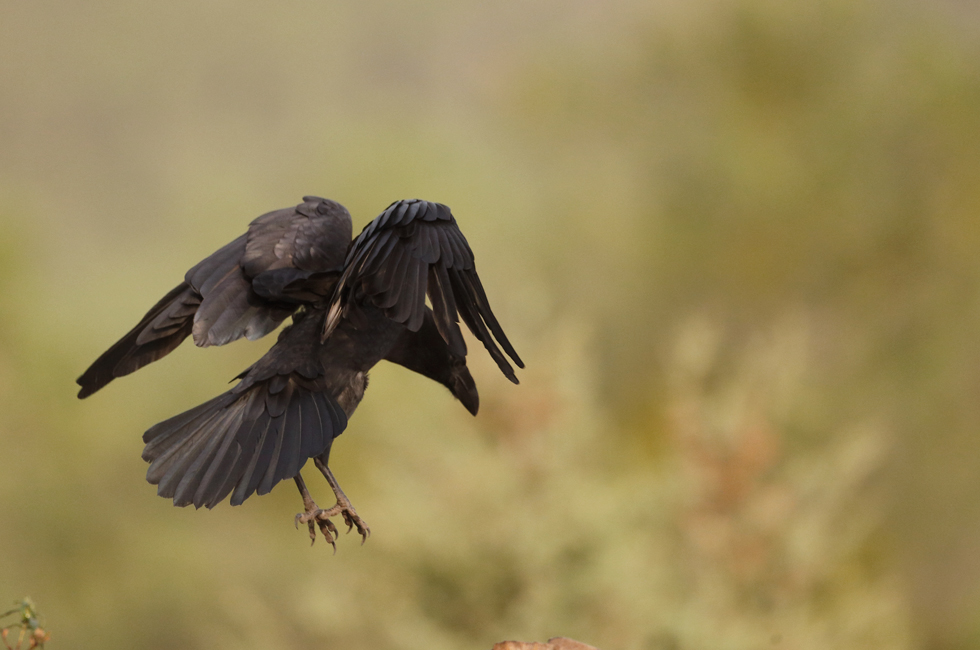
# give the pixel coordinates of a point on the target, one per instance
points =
(737, 243)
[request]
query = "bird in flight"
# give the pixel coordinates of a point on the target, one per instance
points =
(353, 303)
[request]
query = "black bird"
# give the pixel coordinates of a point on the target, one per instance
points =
(353, 303)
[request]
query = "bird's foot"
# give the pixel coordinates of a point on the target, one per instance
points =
(315, 517)
(353, 521)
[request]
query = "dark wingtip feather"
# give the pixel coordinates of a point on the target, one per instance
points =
(128, 355)
(413, 249)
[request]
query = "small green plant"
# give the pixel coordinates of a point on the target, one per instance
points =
(30, 628)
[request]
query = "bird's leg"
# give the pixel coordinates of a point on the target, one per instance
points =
(314, 516)
(343, 506)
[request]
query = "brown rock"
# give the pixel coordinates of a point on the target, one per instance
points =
(555, 643)
(564, 643)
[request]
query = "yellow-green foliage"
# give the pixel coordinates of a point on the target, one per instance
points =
(735, 242)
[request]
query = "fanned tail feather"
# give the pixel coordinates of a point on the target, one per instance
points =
(240, 443)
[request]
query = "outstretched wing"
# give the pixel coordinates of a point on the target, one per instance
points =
(287, 258)
(413, 249)
(248, 439)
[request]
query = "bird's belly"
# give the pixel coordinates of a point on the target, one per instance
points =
(350, 352)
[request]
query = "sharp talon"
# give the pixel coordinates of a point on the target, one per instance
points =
(316, 517)
(330, 526)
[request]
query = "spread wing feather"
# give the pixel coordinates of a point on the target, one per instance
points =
(246, 288)
(159, 332)
(413, 249)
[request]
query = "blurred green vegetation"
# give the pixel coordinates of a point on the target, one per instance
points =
(736, 243)
(24, 627)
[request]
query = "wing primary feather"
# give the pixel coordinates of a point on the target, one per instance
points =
(407, 290)
(389, 292)
(127, 354)
(382, 246)
(444, 310)
(431, 251)
(170, 318)
(483, 304)
(462, 255)
(136, 358)
(446, 253)
(417, 314)
(479, 329)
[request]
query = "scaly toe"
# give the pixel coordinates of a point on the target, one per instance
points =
(354, 521)
(323, 519)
